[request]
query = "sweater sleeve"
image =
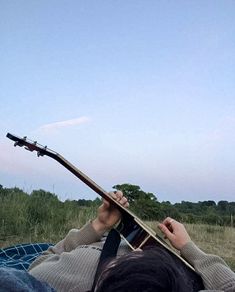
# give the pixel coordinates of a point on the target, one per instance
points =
(215, 273)
(75, 237)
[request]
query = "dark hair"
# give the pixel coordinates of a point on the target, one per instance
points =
(150, 270)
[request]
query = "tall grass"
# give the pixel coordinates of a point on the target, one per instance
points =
(219, 240)
(41, 217)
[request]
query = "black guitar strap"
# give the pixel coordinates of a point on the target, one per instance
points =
(109, 251)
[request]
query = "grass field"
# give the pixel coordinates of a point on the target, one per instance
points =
(217, 240)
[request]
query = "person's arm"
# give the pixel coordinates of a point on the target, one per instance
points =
(107, 217)
(214, 271)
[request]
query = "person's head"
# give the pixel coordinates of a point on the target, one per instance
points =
(151, 270)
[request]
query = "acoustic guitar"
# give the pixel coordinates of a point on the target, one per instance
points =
(131, 228)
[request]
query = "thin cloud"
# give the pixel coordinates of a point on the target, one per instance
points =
(64, 124)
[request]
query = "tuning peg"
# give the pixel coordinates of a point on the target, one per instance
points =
(39, 153)
(17, 143)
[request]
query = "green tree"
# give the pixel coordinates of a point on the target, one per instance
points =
(223, 206)
(144, 205)
(134, 193)
(169, 210)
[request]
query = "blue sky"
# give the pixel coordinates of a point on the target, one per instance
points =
(128, 91)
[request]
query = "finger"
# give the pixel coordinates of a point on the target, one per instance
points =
(119, 195)
(166, 231)
(126, 205)
(106, 204)
(113, 195)
(168, 221)
(123, 201)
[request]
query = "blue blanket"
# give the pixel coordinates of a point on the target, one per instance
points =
(22, 255)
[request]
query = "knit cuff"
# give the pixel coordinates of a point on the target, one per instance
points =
(191, 252)
(85, 236)
(88, 235)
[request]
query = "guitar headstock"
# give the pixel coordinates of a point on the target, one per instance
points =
(31, 145)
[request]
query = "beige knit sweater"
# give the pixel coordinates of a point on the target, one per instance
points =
(71, 264)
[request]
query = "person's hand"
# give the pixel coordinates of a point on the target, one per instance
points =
(175, 232)
(108, 214)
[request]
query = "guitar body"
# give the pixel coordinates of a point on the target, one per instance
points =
(131, 228)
